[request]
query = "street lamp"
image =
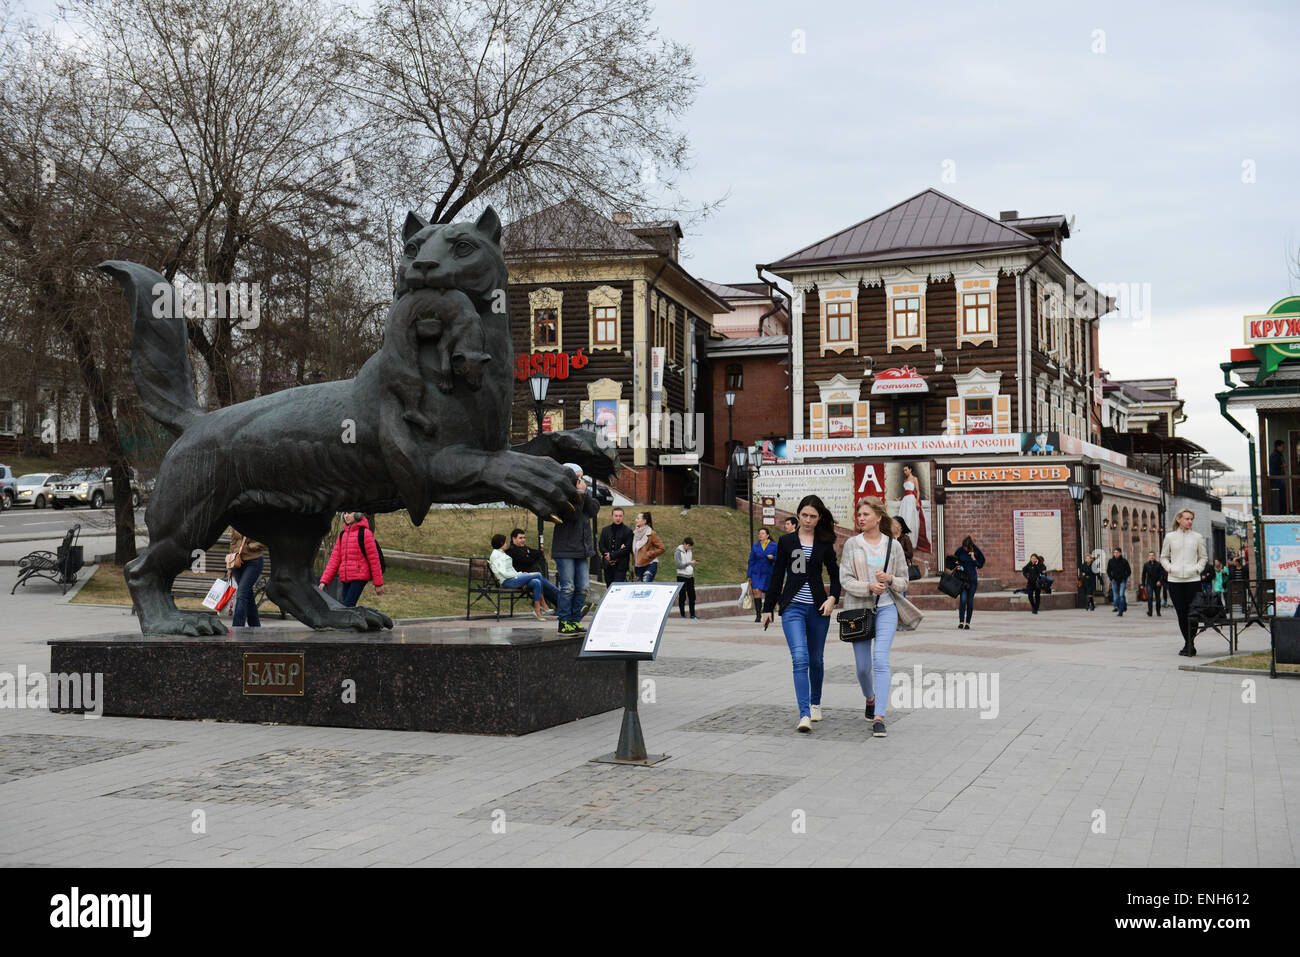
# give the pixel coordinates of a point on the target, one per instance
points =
(739, 461)
(1076, 493)
(755, 466)
(539, 385)
(730, 491)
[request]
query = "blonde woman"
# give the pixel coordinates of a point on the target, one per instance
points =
(866, 579)
(1183, 556)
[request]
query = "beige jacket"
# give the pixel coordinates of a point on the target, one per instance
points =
(1183, 555)
(855, 582)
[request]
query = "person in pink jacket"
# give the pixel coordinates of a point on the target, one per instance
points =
(355, 559)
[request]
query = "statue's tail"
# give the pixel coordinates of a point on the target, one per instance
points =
(160, 361)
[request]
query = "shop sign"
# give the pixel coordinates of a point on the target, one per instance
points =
(1274, 336)
(891, 381)
(1130, 484)
(553, 365)
(921, 446)
(1008, 475)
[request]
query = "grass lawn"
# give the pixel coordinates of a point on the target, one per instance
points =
(721, 535)
(407, 594)
(1257, 661)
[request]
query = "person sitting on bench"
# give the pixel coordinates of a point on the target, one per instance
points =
(504, 570)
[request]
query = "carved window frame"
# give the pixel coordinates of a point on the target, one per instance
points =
(538, 301)
(839, 296)
(977, 284)
(895, 291)
(605, 297)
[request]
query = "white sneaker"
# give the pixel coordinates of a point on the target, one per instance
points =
(804, 724)
(816, 710)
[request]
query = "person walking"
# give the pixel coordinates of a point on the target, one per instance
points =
(355, 559)
(805, 602)
(791, 524)
(507, 576)
(1088, 578)
(1183, 556)
(615, 547)
(1118, 571)
(245, 562)
(762, 556)
(1153, 579)
(684, 559)
(1033, 571)
(647, 546)
(572, 548)
(971, 560)
(873, 573)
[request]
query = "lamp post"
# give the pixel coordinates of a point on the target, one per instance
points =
(730, 484)
(1076, 493)
(755, 466)
(539, 385)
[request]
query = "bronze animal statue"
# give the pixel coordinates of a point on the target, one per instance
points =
(278, 467)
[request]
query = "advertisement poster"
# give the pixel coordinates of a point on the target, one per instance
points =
(1037, 530)
(905, 488)
(1040, 443)
(787, 484)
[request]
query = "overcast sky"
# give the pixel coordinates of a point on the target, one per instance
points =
(1141, 121)
(1143, 143)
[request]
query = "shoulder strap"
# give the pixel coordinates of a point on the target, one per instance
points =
(889, 547)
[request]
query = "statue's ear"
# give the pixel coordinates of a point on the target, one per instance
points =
(489, 224)
(414, 223)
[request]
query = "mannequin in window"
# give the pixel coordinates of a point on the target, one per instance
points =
(909, 507)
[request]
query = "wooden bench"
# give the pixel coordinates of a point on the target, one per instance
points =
(482, 585)
(194, 585)
(1241, 608)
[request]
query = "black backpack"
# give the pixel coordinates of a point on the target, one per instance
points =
(361, 544)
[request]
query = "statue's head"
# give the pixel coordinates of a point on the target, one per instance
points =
(464, 256)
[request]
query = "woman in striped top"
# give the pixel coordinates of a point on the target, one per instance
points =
(806, 604)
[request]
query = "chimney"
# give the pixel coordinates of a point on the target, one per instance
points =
(1009, 214)
(622, 218)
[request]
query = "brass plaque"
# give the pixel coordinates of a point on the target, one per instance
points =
(273, 673)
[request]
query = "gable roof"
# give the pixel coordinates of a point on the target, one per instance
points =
(927, 224)
(735, 291)
(566, 229)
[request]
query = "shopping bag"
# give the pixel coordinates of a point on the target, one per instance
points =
(219, 595)
(746, 597)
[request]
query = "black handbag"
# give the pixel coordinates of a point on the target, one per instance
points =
(913, 572)
(950, 584)
(859, 624)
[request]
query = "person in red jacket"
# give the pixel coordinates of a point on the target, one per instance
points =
(355, 559)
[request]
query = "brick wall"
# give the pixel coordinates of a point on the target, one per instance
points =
(762, 405)
(986, 517)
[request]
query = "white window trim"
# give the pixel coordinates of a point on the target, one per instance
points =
(904, 289)
(546, 298)
(968, 283)
(838, 294)
(605, 297)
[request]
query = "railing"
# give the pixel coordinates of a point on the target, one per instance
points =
(1187, 490)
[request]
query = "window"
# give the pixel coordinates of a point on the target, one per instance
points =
(839, 322)
(1044, 307)
(909, 418)
(606, 333)
(735, 377)
(979, 416)
(672, 334)
(839, 420)
(976, 310)
(907, 317)
(546, 328)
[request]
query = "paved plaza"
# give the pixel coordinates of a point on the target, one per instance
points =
(1102, 752)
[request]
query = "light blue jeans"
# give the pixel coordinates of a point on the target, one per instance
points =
(872, 658)
(805, 633)
(534, 581)
(571, 575)
(1118, 594)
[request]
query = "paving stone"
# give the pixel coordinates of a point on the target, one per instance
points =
(25, 755)
(836, 724)
(694, 667)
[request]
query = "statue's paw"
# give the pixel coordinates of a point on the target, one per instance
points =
(195, 623)
(355, 619)
(540, 485)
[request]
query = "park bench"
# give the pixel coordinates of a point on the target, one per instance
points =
(195, 585)
(1242, 607)
(60, 567)
(482, 585)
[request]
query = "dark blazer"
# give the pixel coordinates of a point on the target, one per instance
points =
(786, 584)
(1118, 569)
(971, 564)
(617, 540)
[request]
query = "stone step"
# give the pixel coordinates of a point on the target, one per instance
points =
(993, 601)
(930, 586)
(718, 609)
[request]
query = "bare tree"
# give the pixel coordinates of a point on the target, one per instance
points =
(523, 103)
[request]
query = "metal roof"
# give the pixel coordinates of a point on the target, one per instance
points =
(731, 291)
(928, 223)
(568, 228)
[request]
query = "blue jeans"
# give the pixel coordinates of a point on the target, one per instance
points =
(539, 585)
(572, 575)
(805, 633)
(872, 657)
(966, 602)
(246, 576)
(646, 573)
(1118, 595)
(352, 592)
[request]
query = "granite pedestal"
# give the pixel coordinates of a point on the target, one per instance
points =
(414, 678)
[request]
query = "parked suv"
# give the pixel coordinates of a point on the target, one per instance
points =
(37, 488)
(8, 487)
(91, 487)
